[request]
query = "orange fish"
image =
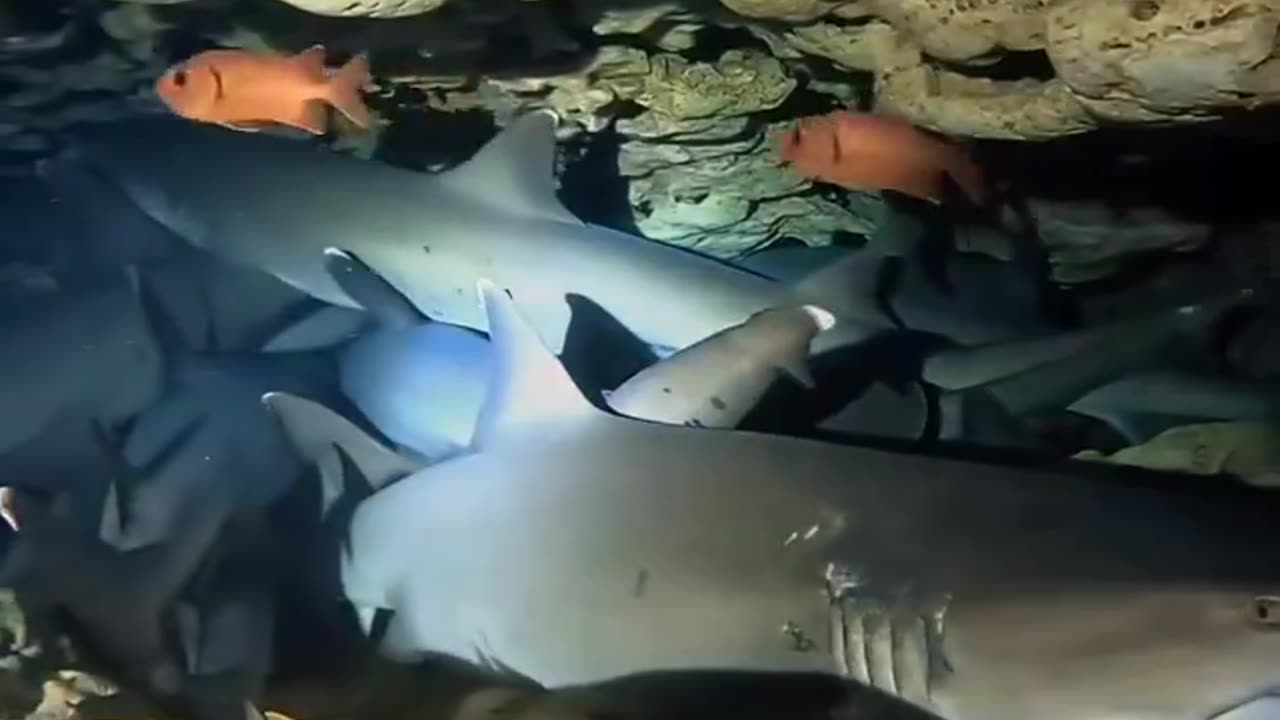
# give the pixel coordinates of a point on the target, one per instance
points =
(245, 90)
(871, 152)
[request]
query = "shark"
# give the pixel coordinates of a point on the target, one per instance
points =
(131, 613)
(152, 531)
(276, 205)
(574, 545)
(92, 353)
(721, 380)
(715, 382)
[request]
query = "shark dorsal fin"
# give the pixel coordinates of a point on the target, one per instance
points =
(516, 170)
(529, 388)
(314, 429)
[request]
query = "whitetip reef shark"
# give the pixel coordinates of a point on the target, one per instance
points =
(574, 545)
(712, 383)
(277, 204)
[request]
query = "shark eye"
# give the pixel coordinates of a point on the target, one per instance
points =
(180, 78)
(1266, 610)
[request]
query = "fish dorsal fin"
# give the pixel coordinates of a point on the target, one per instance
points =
(311, 62)
(516, 170)
(314, 429)
(530, 388)
(364, 285)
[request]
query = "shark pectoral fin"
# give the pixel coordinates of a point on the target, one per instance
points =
(362, 284)
(315, 325)
(516, 170)
(530, 388)
(314, 429)
(797, 368)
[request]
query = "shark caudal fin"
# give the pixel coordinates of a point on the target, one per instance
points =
(516, 171)
(530, 388)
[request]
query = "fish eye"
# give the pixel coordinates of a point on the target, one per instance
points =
(180, 78)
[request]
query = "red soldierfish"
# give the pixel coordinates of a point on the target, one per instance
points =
(870, 152)
(245, 90)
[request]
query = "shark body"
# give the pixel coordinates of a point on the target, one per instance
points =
(276, 205)
(574, 545)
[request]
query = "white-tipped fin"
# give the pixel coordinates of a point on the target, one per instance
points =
(315, 429)
(530, 389)
(796, 363)
(823, 318)
(516, 170)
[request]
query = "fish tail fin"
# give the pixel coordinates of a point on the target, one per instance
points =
(344, 91)
(969, 175)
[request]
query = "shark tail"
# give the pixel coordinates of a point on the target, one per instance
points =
(344, 91)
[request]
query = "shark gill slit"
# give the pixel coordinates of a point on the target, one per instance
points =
(898, 653)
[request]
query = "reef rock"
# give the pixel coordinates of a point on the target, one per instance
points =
(725, 198)
(1086, 241)
(742, 81)
(1247, 450)
(1155, 60)
(1143, 61)
(367, 8)
(792, 10)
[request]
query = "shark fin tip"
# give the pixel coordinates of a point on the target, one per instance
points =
(337, 252)
(822, 317)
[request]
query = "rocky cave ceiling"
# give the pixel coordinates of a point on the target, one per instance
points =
(693, 93)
